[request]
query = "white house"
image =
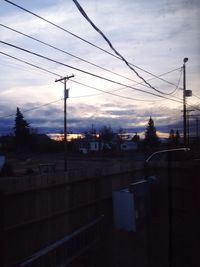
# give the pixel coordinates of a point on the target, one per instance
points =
(89, 144)
(128, 146)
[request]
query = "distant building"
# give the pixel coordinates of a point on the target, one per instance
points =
(128, 146)
(88, 144)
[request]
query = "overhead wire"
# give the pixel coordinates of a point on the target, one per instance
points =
(86, 61)
(58, 75)
(91, 87)
(195, 96)
(111, 93)
(179, 80)
(194, 107)
(55, 101)
(59, 27)
(86, 72)
(163, 74)
(30, 64)
(107, 92)
(65, 52)
(84, 40)
(113, 48)
(34, 108)
(43, 69)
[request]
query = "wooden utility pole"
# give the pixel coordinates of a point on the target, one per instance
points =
(188, 125)
(66, 95)
(184, 104)
(196, 116)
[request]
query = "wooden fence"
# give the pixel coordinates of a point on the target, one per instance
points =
(39, 211)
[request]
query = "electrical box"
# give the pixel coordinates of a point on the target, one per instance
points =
(131, 206)
(124, 210)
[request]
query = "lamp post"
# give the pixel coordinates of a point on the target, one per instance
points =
(184, 103)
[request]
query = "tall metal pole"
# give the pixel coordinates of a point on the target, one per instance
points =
(65, 79)
(184, 104)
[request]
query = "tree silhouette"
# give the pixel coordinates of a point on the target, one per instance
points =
(106, 134)
(21, 130)
(177, 138)
(136, 138)
(151, 138)
(171, 135)
(174, 138)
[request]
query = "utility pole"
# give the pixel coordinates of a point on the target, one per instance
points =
(196, 117)
(184, 103)
(188, 125)
(66, 95)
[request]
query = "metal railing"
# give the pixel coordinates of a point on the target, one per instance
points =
(69, 248)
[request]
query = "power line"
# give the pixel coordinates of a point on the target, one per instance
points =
(58, 75)
(159, 76)
(111, 93)
(30, 64)
(84, 40)
(55, 101)
(107, 92)
(65, 52)
(196, 96)
(46, 104)
(86, 61)
(82, 59)
(31, 109)
(86, 72)
(179, 80)
(194, 107)
(59, 27)
(91, 87)
(112, 47)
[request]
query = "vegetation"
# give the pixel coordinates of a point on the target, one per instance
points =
(106, 134)
(174, 138)
(27, 139)
(151, 138)
(21, 130)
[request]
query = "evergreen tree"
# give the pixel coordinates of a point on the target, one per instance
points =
(177, 138)
(136, 138)
(21, 130)
(151, 138)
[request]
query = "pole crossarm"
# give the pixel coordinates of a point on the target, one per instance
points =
(64, 78)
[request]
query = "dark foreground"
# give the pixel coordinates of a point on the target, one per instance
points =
(51, 219)
(169, 237)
